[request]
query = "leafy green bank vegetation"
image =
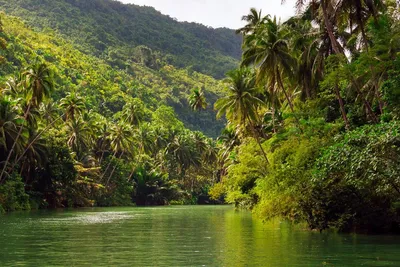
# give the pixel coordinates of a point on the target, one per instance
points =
(313, 117)
(107, 118)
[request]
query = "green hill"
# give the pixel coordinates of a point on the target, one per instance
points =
(117, 125)
(112, 30)
(107, 89)
(97, 134)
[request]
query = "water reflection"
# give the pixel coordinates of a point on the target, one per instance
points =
(179, 236)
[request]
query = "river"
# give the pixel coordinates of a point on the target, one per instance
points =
(179, 236)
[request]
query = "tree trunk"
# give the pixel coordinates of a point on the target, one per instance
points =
(257, 137)
(288, 99)
(380, 102)
(342, 109)
(101, 157)
(395, 187)
(336, 50)
(112, 173)
(261, 148)
(329, 28)
(284, 90)
(368, 107)
(364, 36)
(273, 118)
(359, 7)
(36, 138)
(131, 174)
(108, 166)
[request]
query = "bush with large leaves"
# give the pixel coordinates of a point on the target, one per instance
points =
(357, 182)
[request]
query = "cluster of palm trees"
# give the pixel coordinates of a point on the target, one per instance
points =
(29, 118)
(21, 100)
(332, 49)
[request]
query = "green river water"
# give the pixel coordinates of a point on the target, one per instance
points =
(179, 236)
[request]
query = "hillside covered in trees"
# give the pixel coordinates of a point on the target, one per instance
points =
(114, 31)
(143, 43)
(77, 129)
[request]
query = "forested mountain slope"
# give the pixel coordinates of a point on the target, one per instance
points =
(112, 30)
(74, 131)
(106, 89)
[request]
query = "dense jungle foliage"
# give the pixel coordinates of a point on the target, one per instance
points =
(312, 114)
(76, 131)
(313, 117)
(117, 32)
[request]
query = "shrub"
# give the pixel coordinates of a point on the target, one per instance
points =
(13, 196)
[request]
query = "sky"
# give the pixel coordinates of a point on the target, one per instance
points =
(217, 13)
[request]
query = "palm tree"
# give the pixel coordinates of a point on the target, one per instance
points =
(326, 45)
(39, 84)
(78, 133)
(120, 140)
(182, 151)
(200, 142)
(197, 100)
(160, 139)
(32, 117)
(228, 140)
(35, 157)
(73, 105)
(327, 8)
(49, 111)
(306, 48)
(14, 86)
(268, 50)
(241, 104)
(133, 111)
(9, 122)
(354, 14)
(210, 152)
(102, 142)
(145, 138)
(31, 120)
(253, 19)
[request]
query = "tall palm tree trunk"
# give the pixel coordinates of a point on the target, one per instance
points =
(108, 166)
(367, 105)
(102, 156)
(288, 99)
(336, 49)
(15, 141)
(131, 174)
(359, 7)
(112, 172)
(364, 36)
(342, 109)
(380, 101)
(36, 138)
(280, 82)
(273, 119)
(257, 137)
(329, 28)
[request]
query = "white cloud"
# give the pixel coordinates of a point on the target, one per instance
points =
(217, 13)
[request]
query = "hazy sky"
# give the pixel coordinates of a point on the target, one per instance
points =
(217, 13)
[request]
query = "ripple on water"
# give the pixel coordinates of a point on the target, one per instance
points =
(91, 218)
